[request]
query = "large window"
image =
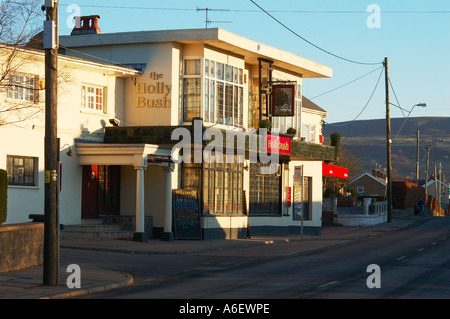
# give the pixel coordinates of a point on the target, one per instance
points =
(21, 170)
(92, 98)
(220, 185)
(23, 88)
(265, 194)
(223, 187)
(222, 88)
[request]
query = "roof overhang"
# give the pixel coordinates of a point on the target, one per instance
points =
(136, 155)
(218, 38)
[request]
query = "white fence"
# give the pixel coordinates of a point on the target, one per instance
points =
(373, 213)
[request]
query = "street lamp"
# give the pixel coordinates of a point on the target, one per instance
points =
(418, 104)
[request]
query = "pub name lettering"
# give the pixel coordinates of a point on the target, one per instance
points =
(153, 95)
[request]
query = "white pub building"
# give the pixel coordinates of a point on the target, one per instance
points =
(126, 99)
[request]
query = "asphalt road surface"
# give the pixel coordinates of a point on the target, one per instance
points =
(410, 263)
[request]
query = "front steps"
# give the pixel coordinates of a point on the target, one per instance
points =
(95, 229)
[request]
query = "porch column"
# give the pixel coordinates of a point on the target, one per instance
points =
(168, 233)
(140, 234)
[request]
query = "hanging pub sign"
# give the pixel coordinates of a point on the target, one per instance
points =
(283, 99)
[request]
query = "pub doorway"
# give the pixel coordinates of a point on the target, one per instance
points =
(100, 191)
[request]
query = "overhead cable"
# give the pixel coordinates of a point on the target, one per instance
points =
(309, 42)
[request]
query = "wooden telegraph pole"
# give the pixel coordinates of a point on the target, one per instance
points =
(388, 145)
(51, 148)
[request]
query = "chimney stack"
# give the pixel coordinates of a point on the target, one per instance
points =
(86, 25)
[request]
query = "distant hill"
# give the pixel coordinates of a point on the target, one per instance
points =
(367, 139)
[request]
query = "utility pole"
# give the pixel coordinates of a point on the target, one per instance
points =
(426, 177)
(51, 148)
(435, 182)
(440, 184)
(388, 144)
(417, 162)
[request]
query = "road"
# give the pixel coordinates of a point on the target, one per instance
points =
(413, 263)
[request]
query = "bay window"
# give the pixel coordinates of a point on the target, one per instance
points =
(221, 86)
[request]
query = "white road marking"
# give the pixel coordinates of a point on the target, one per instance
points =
(328, 284)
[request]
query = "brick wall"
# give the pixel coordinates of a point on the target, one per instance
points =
(371, 186)
(406, 194)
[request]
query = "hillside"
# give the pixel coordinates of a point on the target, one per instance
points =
(367, 139)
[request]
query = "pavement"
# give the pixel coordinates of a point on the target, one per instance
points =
(28, 283)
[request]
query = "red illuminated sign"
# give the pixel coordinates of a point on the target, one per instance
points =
(279, 144)
(334, 171)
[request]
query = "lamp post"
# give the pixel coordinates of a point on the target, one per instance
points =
(409, 113)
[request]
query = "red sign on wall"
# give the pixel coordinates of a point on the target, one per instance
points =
(288, 196)
(279, 144)
(334, 171)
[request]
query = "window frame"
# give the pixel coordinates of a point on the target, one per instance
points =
(11, 170)
(85, 98)
(30, 92)
(310, 135)
(221, 97)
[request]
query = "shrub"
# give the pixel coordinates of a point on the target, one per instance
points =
(335, 139)
(265, 124)
(291, 131)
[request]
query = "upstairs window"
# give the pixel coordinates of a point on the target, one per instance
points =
(92, 98)
(216, 94)
(309, 133)
(23, 88)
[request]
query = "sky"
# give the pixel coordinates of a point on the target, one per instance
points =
(353, 37)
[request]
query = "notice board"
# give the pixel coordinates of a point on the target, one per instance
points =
(186, 214)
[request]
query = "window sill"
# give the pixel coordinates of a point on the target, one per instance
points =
(23, 187)
(100, 113)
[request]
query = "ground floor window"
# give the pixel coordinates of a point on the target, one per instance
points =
(220, 185)
(21, 170)
(265, 192)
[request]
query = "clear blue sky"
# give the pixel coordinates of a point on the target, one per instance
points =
(414, 35)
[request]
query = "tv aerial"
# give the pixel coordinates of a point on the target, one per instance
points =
(207, 21)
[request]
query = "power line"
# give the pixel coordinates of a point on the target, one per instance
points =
(311, 98)
(365, 106)
(309, 42)
(274, 11)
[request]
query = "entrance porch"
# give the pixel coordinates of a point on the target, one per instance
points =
(110, 160)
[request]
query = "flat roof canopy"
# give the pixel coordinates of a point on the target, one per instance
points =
(218, 38)
(119, 154)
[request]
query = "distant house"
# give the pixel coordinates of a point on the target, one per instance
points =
(369, 184)
(442, 189)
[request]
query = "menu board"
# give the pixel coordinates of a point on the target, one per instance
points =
(186, 212)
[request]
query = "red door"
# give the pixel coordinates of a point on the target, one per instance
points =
(89, 201)
(100, 191)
